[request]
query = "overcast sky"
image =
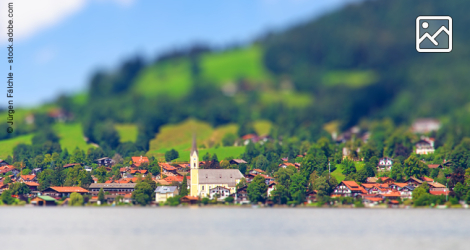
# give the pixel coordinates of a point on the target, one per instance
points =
(60, 43)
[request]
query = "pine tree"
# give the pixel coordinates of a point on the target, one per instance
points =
(101, 196)
(184, 187)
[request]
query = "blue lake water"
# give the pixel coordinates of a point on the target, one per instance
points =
(233, 228)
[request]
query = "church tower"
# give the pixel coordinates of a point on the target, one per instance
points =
(194, 161)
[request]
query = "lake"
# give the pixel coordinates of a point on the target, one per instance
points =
(233, 228)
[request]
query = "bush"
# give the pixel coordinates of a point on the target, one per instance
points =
(205, 200)
(229, 199)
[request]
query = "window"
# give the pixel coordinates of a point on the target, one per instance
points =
(220, 175)
(202, 187)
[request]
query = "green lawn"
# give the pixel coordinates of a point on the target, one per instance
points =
(170, 78)
(6, 146)
(262, 127)
(350, 78)
(127, 132)
(222, 153)
(229, 66)
(338, 173)
(290, 98)
(71, 136)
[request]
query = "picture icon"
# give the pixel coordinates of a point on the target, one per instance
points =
(434, 34)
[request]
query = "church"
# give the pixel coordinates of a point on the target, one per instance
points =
(204, 180)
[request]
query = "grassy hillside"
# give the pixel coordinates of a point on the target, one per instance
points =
(170, 78)
(71, 136)
(127, 132)
(232, 65)
(6, 146)
(338, 173)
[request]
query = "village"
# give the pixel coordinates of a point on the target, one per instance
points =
(200, 182)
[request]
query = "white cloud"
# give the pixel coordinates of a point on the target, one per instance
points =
(34, 16)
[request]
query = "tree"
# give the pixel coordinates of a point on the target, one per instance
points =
(283, 176)
(101, 174)
(59, 175)
(19, 188)
(7, 179)
(171, 155)
(184, 187)
(101, 197)
(76, 199)
(45, 179)
(321, 185)
(85, 179)
(348, 167)
(420, 191)
(214, 162)
(150, 181)
(257, 189)
(414, 167)
(142, 193)
(397, 171)
(6, 197)
(261, 162)
(297, 187)
(280, 195)
(229, 139)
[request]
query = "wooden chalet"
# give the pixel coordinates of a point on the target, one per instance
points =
(241, 196)
(58, 192)
(113, 189)
(138, 160)
(348, 189)
(413, 181)
(43, 200)
(238, 161)
(105, 161)
(190, 200)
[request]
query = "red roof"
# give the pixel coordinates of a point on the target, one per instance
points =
(439, 192)
(32, 184)
(392, 194)
(167, 167)
(249, 137)
(28, 177)
(143, 171)
(353, 186)
(427, 179)
(258, 170)
(433, 165)
(170, 179)
(137, 160)
(70, 189)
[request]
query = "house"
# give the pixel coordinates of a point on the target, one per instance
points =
(371, 199)
(425, 146)
(143, 172)
(249, 137)
(113, 189)
(287, 164)
(3, 163)
(387, 180)
(393, 195)
(220, 192)
(397, 186)
(271, 187)
(249, 177)
(257, 171)
(162, 193)
(238, 161)
(105, 161)
(241, 196)
(190, 200)
(267, 178)
(202, 180)
(9, 168)
(27, 178)
(58, 192)
(385, 164)
(406, 192)
(71, 165)
(426, 125)
(413, 181)
(138, 160)
(43, 200)
(167, 168)
(372, 179)
(311, 196)
(88, 168)
(348, 189)
(36, 171)
(33, 186)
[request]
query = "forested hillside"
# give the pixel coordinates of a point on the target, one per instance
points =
(356, 64)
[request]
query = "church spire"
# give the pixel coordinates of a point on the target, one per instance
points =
(194, 146)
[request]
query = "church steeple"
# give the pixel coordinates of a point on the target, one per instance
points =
(194, 145)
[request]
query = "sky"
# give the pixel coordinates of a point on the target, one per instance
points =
(59, 44)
